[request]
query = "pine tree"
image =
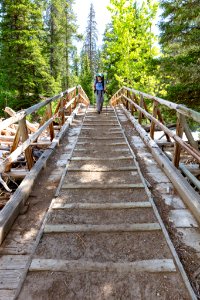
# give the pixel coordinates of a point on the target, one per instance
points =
(61, 30)
(180, 40)
(23, 67)
(86, 76)
(90, 43)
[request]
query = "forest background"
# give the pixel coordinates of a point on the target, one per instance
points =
(42, 51)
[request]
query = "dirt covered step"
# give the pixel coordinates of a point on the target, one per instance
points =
(103, 285)
(106, 164)
(112, 177)
(101, 153)
(96, 216)
(101, 196)
(104, 247)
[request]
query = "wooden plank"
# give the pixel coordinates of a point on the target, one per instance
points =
(102, 186)
(99, 169)
(49, 114)
(99, 206)
(101, 125)
(13, 262)
(14, 147)
(179, 132)
(142, 227)
(7, 294)
(101, 138)
(10, 279)
(28, 151)
(107, 144)
(155, 111)
(188, 134)
(100, 159)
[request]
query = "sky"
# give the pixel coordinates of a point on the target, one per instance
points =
(82, 8)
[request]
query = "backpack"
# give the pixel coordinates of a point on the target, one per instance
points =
(99, 86)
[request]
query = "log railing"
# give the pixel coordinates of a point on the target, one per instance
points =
(67, 102)
(134, 101)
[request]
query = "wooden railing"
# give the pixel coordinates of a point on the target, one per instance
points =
(66, 103)
(26, 137)
(135, 102)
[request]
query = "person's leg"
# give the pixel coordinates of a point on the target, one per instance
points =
(98, 101)
(102, 99)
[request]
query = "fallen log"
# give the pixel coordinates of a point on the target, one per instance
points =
(31, 127)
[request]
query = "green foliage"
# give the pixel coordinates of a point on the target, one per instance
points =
(86, 77)
(130, 45)
(180, 41)
(23, 67)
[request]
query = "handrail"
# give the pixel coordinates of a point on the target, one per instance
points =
(72, 97)
(129, 98)
(178, 107)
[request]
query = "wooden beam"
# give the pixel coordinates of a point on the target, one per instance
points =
(49, 114)
(179, 132)
(102, 186)
(24, 134)
(155, 112)
(59, 228)
(83, 158)
(99, 206)
(72, 266)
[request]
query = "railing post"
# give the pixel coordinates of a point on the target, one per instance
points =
(154, 114)
(24, 134)
(62, 112)
(179, 132)
(140, 113)
(49, 114)
(160, 118)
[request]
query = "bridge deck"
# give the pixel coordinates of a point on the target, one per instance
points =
(101, 238)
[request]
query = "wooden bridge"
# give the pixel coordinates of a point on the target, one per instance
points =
(106, 211)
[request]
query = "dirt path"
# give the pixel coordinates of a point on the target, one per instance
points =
(101, 237)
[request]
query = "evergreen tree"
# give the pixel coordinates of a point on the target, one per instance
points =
(129, 44)
(86, 76)
(180, 40)
(90, 43)
(61, 30)
(23, 67)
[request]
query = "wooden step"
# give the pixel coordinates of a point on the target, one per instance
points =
(72, 266)
(83, 158)
(64, 228)
(70, 186)
(98, 206)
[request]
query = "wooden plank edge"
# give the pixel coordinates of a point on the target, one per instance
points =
(72, 266)
(83, 158)
(60, 228)
(103, 186)
(87, 206)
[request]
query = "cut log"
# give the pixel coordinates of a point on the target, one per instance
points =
(30, 126)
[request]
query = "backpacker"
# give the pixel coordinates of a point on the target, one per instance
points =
(99, 86)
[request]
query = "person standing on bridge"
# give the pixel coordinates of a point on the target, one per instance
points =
(99, 89)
